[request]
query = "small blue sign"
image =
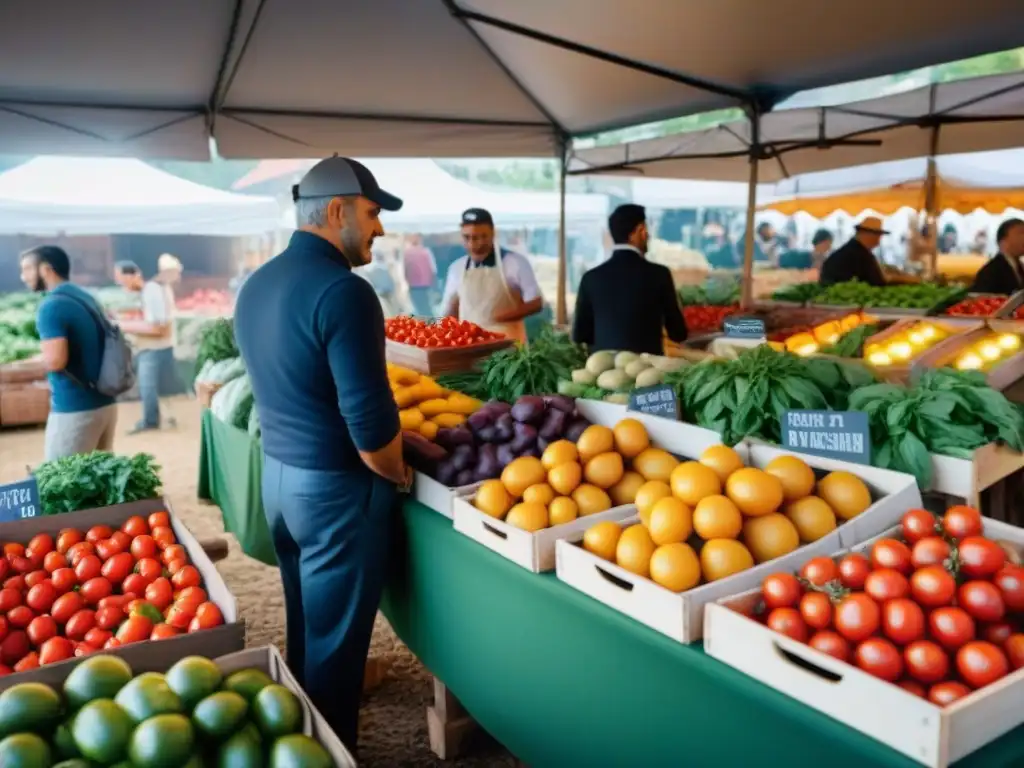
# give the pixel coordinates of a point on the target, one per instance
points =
(743, 327)
(842, 435)
(19, 501)
(657, 401)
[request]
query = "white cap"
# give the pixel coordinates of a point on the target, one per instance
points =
(167, 263)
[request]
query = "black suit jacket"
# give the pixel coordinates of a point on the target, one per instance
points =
(624, 305)
(851, 261)
(997, 276)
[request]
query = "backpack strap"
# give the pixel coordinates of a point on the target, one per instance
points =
(101, 322)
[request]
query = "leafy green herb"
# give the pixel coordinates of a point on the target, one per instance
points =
(799, 292)
(851, 343)
(715, 292)
(216, 342)
(97, 479)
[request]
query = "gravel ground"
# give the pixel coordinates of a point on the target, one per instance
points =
(393, 726)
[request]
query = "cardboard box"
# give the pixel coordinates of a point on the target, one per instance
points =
(933, 736)
(159, 657)
(438, 496)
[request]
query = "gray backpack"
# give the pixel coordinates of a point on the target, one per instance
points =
(117, 368)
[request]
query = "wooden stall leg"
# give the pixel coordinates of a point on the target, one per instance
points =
(448, 724)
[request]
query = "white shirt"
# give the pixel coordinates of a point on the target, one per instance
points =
(516, 267)
(158, 308)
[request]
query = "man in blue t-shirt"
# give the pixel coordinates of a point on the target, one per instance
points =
(81, 419)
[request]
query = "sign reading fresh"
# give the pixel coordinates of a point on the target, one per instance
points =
(842, 435)
(657, 401)
(19, 500)
(743, 327)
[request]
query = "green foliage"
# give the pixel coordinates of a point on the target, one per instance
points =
(97, 479)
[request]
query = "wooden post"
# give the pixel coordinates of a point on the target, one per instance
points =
(747, 286)
(448, 724)
(561, 309)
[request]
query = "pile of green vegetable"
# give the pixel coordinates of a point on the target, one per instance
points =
(947, 412)
(19, 338)
(97, 479)
(798, 293)
(216, 343)
(716, 292)
(923, 296)
(611, 376)
(747, 397)
(851, 343)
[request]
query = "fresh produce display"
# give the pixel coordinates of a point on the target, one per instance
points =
(715, 292)
(705, 520)
(233, 403)
(19, 339)
(903, 347)
(706, 318)
(851, 343)
(221, 371)
(216, 342)
(493, 437)
(937, 610)
(993, 350)
(806, 341)
(80, 591)
(424, 405)
(948, 412)
(798, 292)
(977, 306)
(854, 292)
(191, 715)
(209, 302)
(748, 396)
(97, 479)
(519, 370)
(445, 332)
(610, 376)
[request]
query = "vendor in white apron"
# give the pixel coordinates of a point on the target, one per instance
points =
(492, 287)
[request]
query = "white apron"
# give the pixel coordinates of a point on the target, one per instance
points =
(484, 293)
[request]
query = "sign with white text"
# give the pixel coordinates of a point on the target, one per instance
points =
(743, 327)
(657, 401)
(842, 435)
(19, 500)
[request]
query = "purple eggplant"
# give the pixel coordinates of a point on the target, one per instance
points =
(463, 457)
(487, 467)
(450, 437)
(562, 403)
(505, 455)
(528, 409)
(446, 473)
(496, 408)
(554, 424)
(481, 420)
(504, 428)
(465, 477)
(487, 434)
(576, 428)
(420, 452)
(526, 437)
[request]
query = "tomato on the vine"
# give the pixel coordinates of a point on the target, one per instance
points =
(980, 663)
(931, 550)
(902, 621)
(981, 599)
(857, 617)
(886, 584)
(926, 661)
(891, 553)
(853, 571)
(933, 586)
(820, 570)
(831, 643)
(980, 558)
(951, 627)
(789, 622)
(880, 658)
(816, 610)
(918, 524)
(962, 521)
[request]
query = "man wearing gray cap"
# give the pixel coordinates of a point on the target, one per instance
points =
(312, 336)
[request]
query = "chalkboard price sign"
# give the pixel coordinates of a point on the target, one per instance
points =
(19, 500)
(842, 435)
(657, 401)
(743, 327)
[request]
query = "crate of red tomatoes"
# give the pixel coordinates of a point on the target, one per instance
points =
(915, 638)
(73, 584)
(441, 345)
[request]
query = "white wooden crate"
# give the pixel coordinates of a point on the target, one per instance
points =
(673, 436)
(967, 478)
(438, 496)
(933, 736)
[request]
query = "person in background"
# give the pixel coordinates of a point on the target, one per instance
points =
(154, 336)
(70, 323)
(626, 303)
(492, 287)
(311, 334)
(821, 247)
(421, 275)
(1003, 273)
(855, 260)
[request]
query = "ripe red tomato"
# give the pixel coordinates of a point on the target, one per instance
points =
(933, 586)
(79, 624)
(191, 598)
(122, 539)
(1014, 649)
(918, 524)
(36, 577)
(15, 582)
(160, 593)
(853, 570)
(112, 643)
(880, 658)
(89, 567)
(785, 621)
(67, 538)
(176, 565)
(930, 550)
(830, 643)
(41, 543)
(9, 598)
(40, 598)
(41, 629)
(84, 649)
(902, 621)
(66, 606)
(857, 617)
(64, 580)
(20, 616)
(80, 551)
(912, 686)
(119, 601)
(96, 589)
(159, 520)
(107, 548)
(13, 549)
(951, 627)
(97, 637)
(134, 583)
(98, 533)
(163, 631)
(4, 627)
(980, 558)
(135, 629)
(5, 569)
(117, 568)
(926, 661)
(1010, 580)
(187, 577)
(144, 546)
(56, 649)
(14, 646)
(109, 616)
(891, 553)
(997, 632)
(54, 561)
(179, 616)
(820, 570)
(149, 568)
(207, 616)
(177, 552)
(981, 599)
(962, 521)
(22, 565)
(816, 610)
(136, 526)
(886, 584)
(28, 661)
(980, 663)
(164, 536)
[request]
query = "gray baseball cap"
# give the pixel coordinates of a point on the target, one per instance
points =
(343, 177)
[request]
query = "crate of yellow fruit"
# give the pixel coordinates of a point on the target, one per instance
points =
(709, 527)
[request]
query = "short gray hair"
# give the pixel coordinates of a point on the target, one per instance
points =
(311, 212)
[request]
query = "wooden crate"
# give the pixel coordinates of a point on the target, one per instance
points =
(1007, 372)
(24, 404)
(22, 372)
(441, 360)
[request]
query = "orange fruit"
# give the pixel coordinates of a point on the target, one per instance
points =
(670, 521)
(590, 500)
(602, 538)
(604, 470)
(754, 492)
(675, 567)
(522, 473)
(624, 491)
(634, 550)
(770, 536)
(724, 557)
(565, 478)
(649, 493)
(716, 517)
(796, 477)
(655, 464)
(691, 481)
(559, 452)
(845, 493)
(541, 493)
(562, 510)
(722, 459)
(631, 438)
(492, 498)
(595, 440)
(528, 516)
(812, 517)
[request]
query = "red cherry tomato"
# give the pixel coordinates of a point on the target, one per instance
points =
(66, 606)
(67, 538)
(13, 549)
(122, 539)
(853, 571)
(832, 643)
(785, 621)
(136, 526)
(980, 558)
(107, 548)
(857, 617)
(918, 524)
(20, 616)
(951, 627)
(135, 629)
(930, 550)
(886, 584)
(41, 629)
(36, 577)
(134, 583)
(96, 589)
(997, 632)
(816, 610)
(97, 637)
(820, 570)
(4, 627)
(149, 568)
(109, 616)
(84, 649)
(28, 661)
(981, 599)
(912, 686)
(116, 569)
(902, 621)
(97, 533)
(179, 616)
(79, 552)
(880, 658)
(159, 520)
(891, 553)
(177, 552)
(54, 561)
(1014, 649)
(962, 521)
(207, 616)
(192, 597)
(144, 546)
(9, 598)
(944, 694)
(187, 577)
(56, 649)
(160, 593)
(89, 567)
(40, 598)
(80, 624)
(980, 663)
(163, 631)
(64, 580)
(1010, 581)
(176, 565)
(14, 647)
(933, 586)
(164, 536)
(926, 661)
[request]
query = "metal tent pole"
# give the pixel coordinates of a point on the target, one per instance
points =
(747, 285)
(561, 311)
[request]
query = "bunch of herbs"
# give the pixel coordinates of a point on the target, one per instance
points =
(97, 479)
(216, 342)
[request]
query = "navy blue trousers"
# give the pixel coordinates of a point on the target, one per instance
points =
(331, 533)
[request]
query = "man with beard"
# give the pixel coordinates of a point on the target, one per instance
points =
(312, 336)
(627, 303)
(72, 336)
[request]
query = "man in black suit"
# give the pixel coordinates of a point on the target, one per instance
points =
(1003, 273)
(625, 303)
(855, 260)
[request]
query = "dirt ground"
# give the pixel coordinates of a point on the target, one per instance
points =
(393, 725)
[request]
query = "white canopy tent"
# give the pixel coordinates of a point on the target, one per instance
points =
(92, 196)
(691, 193)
